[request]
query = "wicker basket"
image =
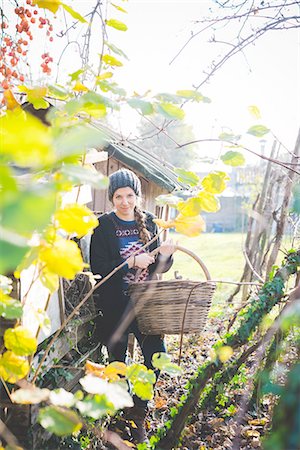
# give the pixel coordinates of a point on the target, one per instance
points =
(173, 306)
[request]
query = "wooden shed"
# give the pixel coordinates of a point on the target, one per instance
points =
(157, 177)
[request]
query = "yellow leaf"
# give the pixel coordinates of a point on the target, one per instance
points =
(94, 368)
(164, 223)
(62, 258)
(114, 23)
(224, 353)
(36, 96)
(113, 371)
(52, 5)
(13, 367)
(11, 102)
(79, 87)
(215, 182)
(20, 340)
(191, 207)
(257, 422)
(111, 61)
(251, 433)
(208, 202)
(76, 219)
(119, 8)
(49, 279)
(129, 444)
(189, 226)
(104, 76)
(73, 13)
(35, 138)
(254, 111)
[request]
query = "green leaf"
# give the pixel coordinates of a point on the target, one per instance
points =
(76, 139)
(170, 111)
(187, 177)
(11, 253)
(13, 367)
(143, 390)
(9, 307)
(116, 50)
(258, 130)
(8, 184)
(59, 92)
(20, 341)
(81, 175)
(190, 94)
(111, 61)
(233, 158)
(5, 284)
(162, 361)
(106, 86)
(73, 13)
(75, 75)
(96, 407)
(29, 210)
(168, 98)
(143, 106)
(229, 137)
(59, 421)
(139, 372)
(114, 23)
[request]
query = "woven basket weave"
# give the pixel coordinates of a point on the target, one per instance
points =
(173, 306)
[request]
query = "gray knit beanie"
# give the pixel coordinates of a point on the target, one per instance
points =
(123, 178)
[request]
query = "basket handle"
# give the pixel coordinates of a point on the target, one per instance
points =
(188, 252)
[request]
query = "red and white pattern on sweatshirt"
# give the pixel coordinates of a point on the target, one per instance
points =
(125, 253)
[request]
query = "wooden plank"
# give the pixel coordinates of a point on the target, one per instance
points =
(63, 344)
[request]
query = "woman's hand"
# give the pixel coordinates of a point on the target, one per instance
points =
(167, 248)
(143, 260)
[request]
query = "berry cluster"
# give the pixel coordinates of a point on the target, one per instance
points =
(14, 50)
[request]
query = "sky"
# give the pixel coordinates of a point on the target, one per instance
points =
(266, 74)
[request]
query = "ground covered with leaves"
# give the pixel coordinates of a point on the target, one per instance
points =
(215, 426)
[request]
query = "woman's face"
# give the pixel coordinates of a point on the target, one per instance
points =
(124, 201)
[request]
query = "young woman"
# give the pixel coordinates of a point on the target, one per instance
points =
(119, 234)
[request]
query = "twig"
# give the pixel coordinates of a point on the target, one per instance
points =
(10, 438)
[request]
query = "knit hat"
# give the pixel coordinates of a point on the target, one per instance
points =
(123, 178)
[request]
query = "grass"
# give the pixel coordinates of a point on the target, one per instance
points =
(221, 253)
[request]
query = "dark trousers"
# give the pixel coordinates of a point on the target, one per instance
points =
(149, 345)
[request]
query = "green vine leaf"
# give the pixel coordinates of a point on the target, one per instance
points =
(143, 106)
(187, 177)
(170, 111)
(9, 307)
(60, 421)
(234, 159)
(258, 130)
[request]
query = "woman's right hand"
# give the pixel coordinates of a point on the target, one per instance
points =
(143, 260)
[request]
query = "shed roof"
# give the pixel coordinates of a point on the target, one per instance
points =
(136, 157)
